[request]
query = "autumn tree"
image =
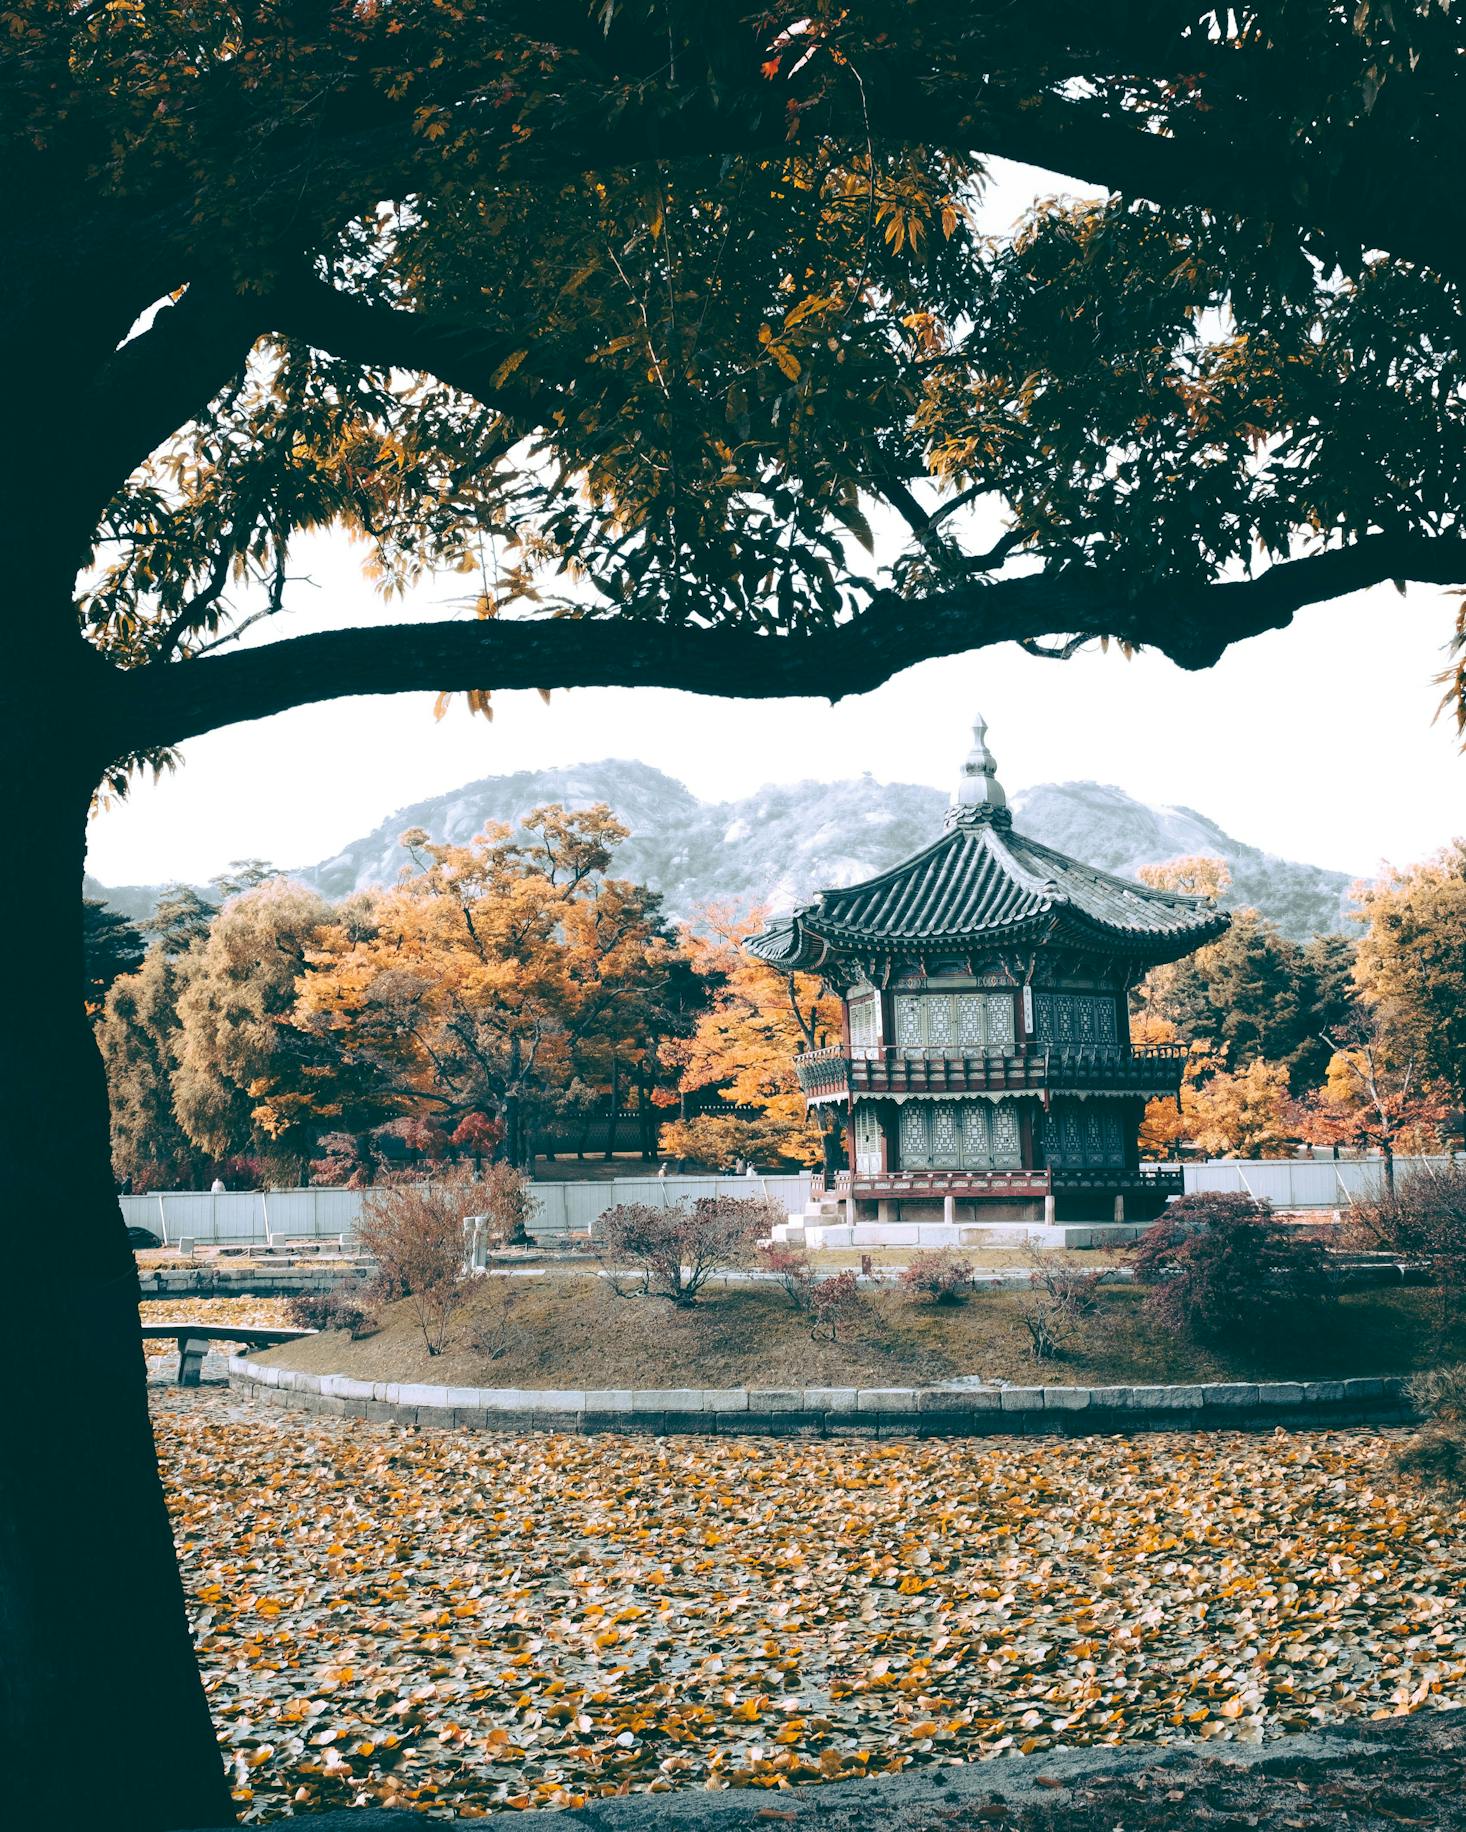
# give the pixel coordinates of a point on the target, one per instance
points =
(636, 315)
(138, 1035)
(1411, 968)
(239, 1055)
(180, 917)
(742, 1052)
(490, 978)
(1372, 1099)
(1254, 994)
(1240, 1113)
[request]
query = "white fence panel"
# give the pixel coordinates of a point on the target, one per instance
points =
(252, 1216)
(1290, 1183)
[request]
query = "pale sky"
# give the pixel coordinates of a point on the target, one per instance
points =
(1315, 742)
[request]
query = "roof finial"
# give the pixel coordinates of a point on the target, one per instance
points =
(978, 787)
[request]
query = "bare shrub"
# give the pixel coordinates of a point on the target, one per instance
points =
(835, 1302)
(503, 1208)
(791, 1267)
(347, 1307)
(1438, 1450)
(678, 1246)
(942, 1277)
(1056, 1303)
(492, 1328)
(1423, 1217)
(415, 1233)
(1222, 1268)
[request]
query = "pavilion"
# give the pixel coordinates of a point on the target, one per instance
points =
(986, 1074)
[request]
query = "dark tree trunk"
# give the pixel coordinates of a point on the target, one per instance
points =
(102, 1717)
(646, 1130)
(615, 1114)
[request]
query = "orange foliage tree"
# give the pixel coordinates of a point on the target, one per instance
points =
(743, 1048)
(495, 977)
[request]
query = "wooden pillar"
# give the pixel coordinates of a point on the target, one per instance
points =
(1049, 1209)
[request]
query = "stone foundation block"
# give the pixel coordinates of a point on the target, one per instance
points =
(1023, 1399)
(1175, 1399)
(885, 1399)
(830, 1399)
(416, 1394)
(960, 1401)
(608, 1399)
(1111, 1399)
(1230, 1394)
(667, 1399)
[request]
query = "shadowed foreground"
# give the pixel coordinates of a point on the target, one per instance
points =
(1347, 1778)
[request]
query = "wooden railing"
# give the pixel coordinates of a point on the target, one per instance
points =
(829, 1074)
(1039, 1181)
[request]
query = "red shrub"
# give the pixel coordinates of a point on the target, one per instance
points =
(1223, 1269)
(677, 1247)
(943, 1277)
(834, 1301)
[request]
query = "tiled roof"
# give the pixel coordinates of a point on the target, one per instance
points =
(981, 880)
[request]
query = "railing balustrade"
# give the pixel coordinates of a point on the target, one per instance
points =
(829, 1072)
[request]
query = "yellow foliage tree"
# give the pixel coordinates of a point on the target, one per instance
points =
(744, 1046)
(1411, 967)
(1241, 1113)
(496, 976)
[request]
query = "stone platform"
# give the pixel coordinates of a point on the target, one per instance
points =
(815, 1235)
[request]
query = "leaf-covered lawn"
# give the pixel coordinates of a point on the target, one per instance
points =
(387, 1616)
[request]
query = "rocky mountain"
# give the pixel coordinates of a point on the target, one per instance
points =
(788, 840)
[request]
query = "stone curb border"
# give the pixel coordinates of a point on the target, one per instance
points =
(244, 1282)
(833, 1412)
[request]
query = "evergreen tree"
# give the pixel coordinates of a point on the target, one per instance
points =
(181, 918)
(111, 945)
(138, 1037)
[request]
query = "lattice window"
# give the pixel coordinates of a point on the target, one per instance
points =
(1075, 1017)
(965, 1021)
(1007, 1148)
(977, 1143)
(945, 1151)
(999, 1020)
(913, 1136)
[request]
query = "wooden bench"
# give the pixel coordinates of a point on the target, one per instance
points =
(193, 1341)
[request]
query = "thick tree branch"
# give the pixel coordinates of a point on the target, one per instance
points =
(1367, 202)
(463, 356)
(165, 704)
